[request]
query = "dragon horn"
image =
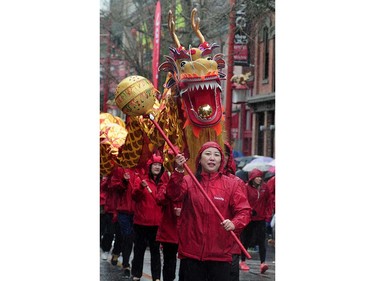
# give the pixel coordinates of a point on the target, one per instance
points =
(172, 29)
(195, 25)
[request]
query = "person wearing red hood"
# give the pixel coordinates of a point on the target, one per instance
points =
(106, 237)
(204, 242)
(255, 232)
(271, 225)
(147, 217)
(112, 233)
(167, 233)
(123, 180)
(230, 171)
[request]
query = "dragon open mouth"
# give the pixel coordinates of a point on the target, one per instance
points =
(202, 101)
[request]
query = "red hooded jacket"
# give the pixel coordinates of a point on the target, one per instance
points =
(111, 198)
(103, 190)
(146, 210)
(167, 231)
(259, 198)
(271, 188)
(230, 168)
(201, 235)
(124, 189)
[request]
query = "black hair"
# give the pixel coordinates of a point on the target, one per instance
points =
(198, 173)
(156, 178)
(227, 150)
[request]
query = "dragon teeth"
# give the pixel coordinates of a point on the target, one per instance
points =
(207, 85)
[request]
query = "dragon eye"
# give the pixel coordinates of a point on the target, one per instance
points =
(209, 58)
(182, 63)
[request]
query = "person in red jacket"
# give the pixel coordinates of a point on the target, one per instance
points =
(112, 228)
(230, 171)
(167, 233)
(105, 237)
(271, 225)
(123, 180)
(147, 217)
(260, 200)
(204, 242)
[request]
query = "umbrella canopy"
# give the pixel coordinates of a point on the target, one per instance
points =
(263, 163)
(263, 166)
(262, 159)
(242, 161)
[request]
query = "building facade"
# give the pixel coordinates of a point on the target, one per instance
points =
(253, 109)
(262, 102)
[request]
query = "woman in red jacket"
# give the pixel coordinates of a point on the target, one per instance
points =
(261, 202)
(147, 217)
(123, 180)
(167, 233)
(112, 231)
(105, 237)
(205, 243)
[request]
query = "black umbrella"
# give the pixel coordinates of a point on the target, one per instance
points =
(268, 175)
(243, 175)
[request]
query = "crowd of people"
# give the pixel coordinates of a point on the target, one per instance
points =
(188, 218)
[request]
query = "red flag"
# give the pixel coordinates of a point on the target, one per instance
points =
(156, 51)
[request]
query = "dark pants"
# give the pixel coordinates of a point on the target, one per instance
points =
(169, 261)
(126, 226)
(146, 235)
(195, 270)
(235, 268)
(181, 271)
(255, 234)
(110, 231)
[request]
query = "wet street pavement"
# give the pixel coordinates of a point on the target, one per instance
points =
(108, 272)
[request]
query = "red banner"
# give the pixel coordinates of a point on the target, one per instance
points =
(156, 51)
(240, 54)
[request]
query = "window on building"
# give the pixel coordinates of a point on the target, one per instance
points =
(266, 54)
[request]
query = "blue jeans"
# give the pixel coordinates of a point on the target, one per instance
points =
(126, 225)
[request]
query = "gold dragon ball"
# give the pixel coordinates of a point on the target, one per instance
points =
(135, 95)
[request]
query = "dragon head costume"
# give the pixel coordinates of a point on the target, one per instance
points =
(189, 111)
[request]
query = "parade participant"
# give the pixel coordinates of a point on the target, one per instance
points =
(147, 217)
(229, 163)
(230, 171)
(261, 202)
(111, 231)
(123, 180)
(104, 223)
(205, 242)
(271, 224)
(167, 233)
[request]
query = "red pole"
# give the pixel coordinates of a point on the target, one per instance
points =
(156, 51)
(228, 100)
(199, 185)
